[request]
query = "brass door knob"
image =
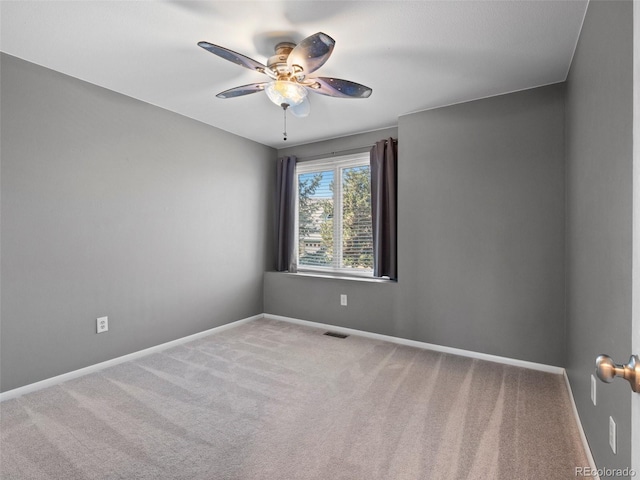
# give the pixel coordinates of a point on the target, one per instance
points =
(607, 370)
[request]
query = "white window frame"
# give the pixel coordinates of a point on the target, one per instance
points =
(337, 164)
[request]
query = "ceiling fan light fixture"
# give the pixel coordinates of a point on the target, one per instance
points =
(289, 71)
(285, 91)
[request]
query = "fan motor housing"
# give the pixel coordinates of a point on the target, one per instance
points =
(278, 62)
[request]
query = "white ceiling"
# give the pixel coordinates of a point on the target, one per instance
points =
(415, 55)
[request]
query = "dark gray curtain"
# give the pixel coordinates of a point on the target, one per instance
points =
(384, 186)
(285, 211)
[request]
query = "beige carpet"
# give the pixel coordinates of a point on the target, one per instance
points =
(271, 400)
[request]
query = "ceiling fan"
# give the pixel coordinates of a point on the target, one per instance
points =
(289, 71)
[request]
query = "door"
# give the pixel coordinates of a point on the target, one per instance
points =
(635, 317)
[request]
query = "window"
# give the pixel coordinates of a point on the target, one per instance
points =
(333, 215)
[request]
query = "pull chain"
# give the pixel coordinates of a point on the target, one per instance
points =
(284, 115)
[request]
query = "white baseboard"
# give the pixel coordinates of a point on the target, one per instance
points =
(17, 392)
(401, 341)
(426, 346)
(583, 437)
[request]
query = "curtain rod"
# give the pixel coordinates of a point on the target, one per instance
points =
(341, 152)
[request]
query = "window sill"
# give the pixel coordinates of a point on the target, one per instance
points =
(339, 277)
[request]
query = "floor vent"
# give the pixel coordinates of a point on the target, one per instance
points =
(336, 334)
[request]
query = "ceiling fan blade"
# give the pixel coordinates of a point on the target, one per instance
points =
(311, 53)
(302, 109)
(234, 57)
(335, 87)
(243, 90)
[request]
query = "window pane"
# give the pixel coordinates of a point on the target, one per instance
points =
(315, 218)
(357, 244)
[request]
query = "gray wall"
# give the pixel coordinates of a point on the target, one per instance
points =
(111, 206)
(341, 145)
(481, 234)
(599, 208)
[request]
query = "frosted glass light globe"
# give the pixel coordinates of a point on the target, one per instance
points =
(283, 91)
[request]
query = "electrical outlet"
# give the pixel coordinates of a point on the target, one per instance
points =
(343, 300)
(593, 389)
(612, 435)
(102, 324)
